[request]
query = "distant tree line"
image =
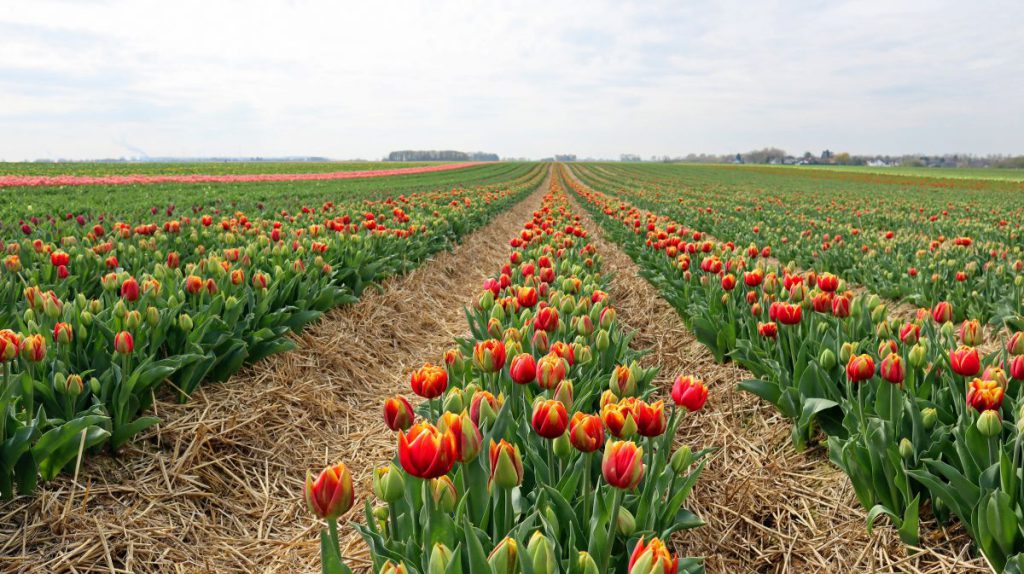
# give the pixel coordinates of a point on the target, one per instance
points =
(776, 156)
(440, 155)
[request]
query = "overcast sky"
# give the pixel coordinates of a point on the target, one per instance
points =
(110, 78)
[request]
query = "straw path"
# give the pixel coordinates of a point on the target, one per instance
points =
(217, 487)
(768, 508)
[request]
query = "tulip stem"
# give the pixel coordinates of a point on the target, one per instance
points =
(551, 463)
(586, 492)
(332, 528)
(428, 500)
(612, 523)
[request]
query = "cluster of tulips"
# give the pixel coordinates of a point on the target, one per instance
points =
(901, 238)
(538, 445)
(63, 180)
(98, 314)
(913, 409)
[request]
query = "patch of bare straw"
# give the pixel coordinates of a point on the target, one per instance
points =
(768, 508)
(217, 487)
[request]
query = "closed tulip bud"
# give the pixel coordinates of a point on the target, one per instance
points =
(33, 348)
(231, 302)
(906, 449)
(74, 385)
(586, 563)
(506, 464)
(62, 333)
(607, 317)
(989, 424)
(626, 523)
(995, 374)
(564, 393)
(917, 356)
(942, 312)
(1016, 367)
(380, 514)
(846, 351)
(489, 356)
(561, 446)
(392, 568)
(331, 494)
(541, 553)
(539, 342)
(388, 483)
(504, 558)
(133, 319)
(878, 313)
(120, 310)
(498, 314)
(454, 400)
(827, 359)
(929, 416)
(681, 460)
(1015, 344)
(440, 558)
(185, 322)
(602, 340)
(947, 329)
(652, 558)
(152, 316)
(444, 493)
(95, 306)
(486, 301)
(584, 355)
(551, 369)
(398, 413)
(86, 318)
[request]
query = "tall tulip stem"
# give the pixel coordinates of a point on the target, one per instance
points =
(612, 523)
(428, 509)
(332, 529)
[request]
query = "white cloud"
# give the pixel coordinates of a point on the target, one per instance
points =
(104, 78)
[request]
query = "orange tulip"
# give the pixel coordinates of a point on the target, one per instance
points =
(33, 348)
(489, 356)
(10, 345)
(550, 418)
(331, 494)
(985, 395)
(586, 432)
(860, 368)
(429, 381)
(425, 451)
(622, 465)
(652, 558)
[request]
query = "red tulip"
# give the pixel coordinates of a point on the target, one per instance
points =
(551, 369)
(193, 284)
(586, 432)
(619, 417)
(728, 282)
(984, 395)
(828, 282)
(124, 343)
(468, 440)
(398, 413)
(942, 312)
(523, 369)
(546, 320)
(892, 368)
(130, 290)
(550, 418)
(789, 313)
(331, 494)
(689, 392)
(970, 333)
(429, 381)
(860, 368)
(426, 452)
(622, 465)
(910, 333)
(841, 307)
(506, 464)
(965, 361)
(650, 418)
(768, 330)
(1016, 367)
(526, 296)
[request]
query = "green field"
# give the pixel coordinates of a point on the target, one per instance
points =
(190, 168)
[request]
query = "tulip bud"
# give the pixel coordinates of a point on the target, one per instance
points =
(562, 446)
(504, 558)
(878, 313)
(989, 424)
(846, 351)
(626, 524)
(586, 563)
(454, 400)
(94, 385)
(682, 459)
(86, 318)
(929, 416)
(120, 310)
(388, 483)
(380, 514)
(541, 554)
(623, 381)
(564, 393)
(185, 322)
(827, 360)
(506, 464)
(133, 320)
(947, 329)
(392, 568)
(917, 356)
(498, 314)
(444, 493)
(73, 385)
(440, 558)
(152, 316)
(906, 450)
(331, 494)
(584, 355)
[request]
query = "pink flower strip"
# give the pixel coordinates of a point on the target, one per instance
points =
(41, 180)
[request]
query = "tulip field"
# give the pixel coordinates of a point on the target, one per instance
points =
(880, 315)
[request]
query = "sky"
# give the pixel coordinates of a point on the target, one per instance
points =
(129, 78)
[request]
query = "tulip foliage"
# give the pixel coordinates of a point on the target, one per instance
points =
(103, 310)
(543, 449)
(917, 407)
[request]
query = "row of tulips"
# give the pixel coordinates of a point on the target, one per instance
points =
(913, 409)
(538, 445)
(919, 244)
(98, 317)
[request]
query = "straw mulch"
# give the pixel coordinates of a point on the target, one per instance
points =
(768, 508)
(217, 487)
